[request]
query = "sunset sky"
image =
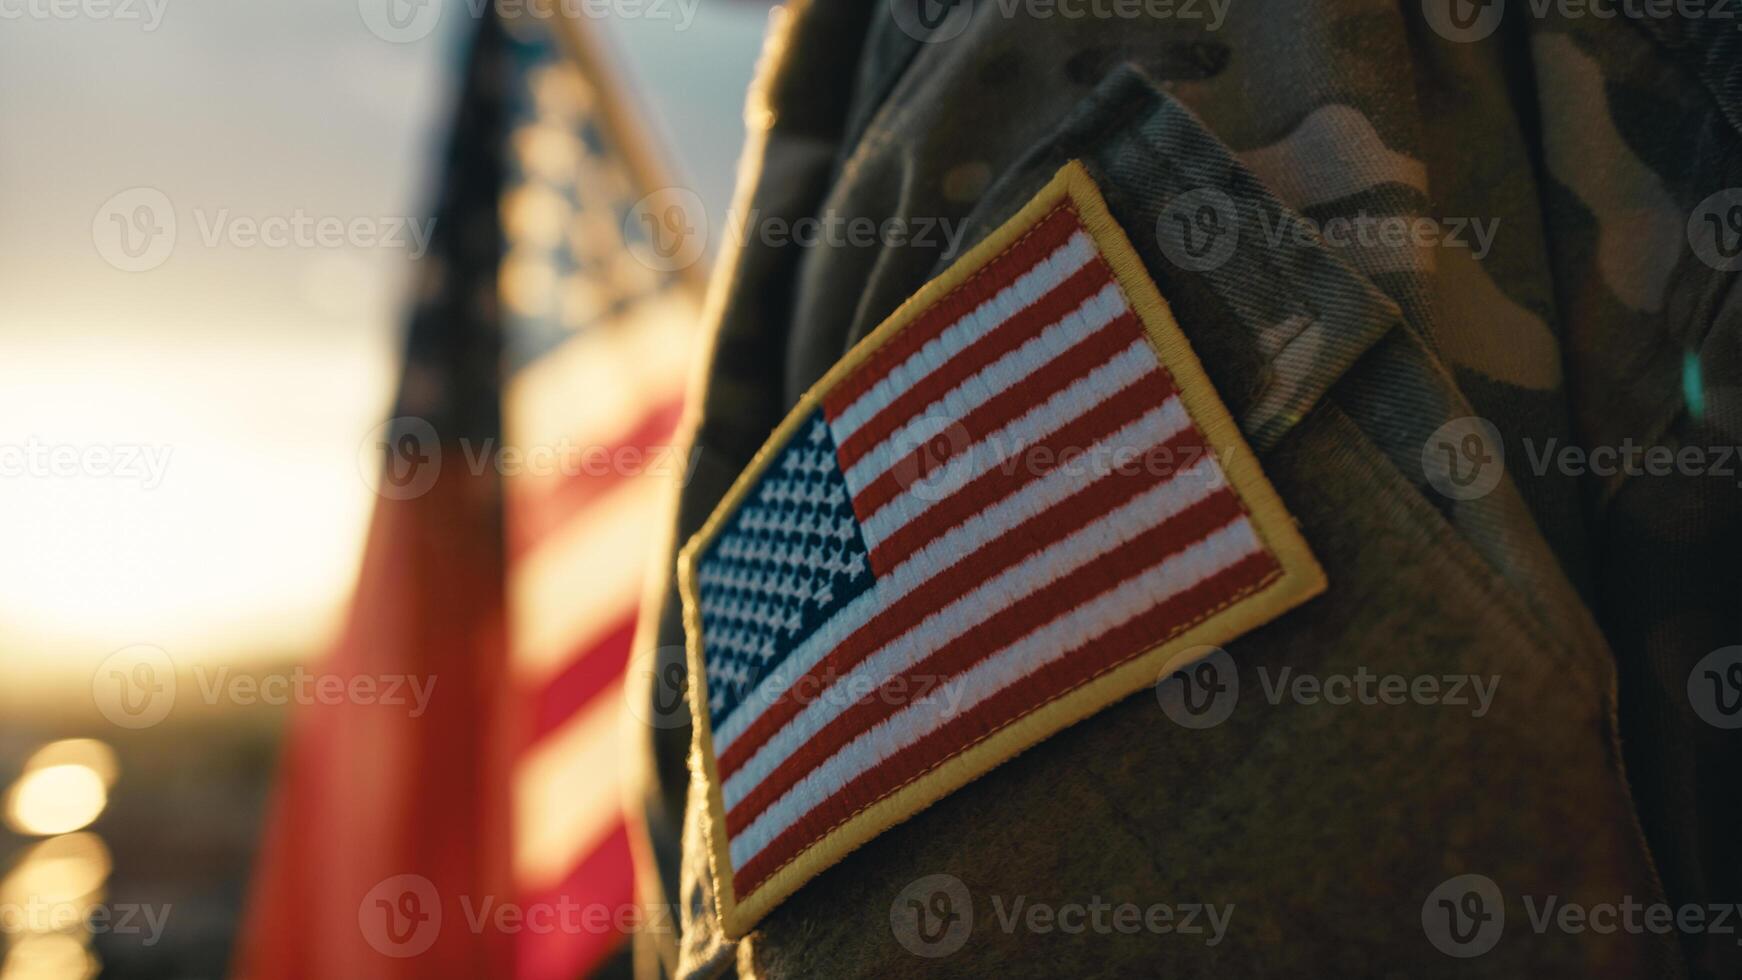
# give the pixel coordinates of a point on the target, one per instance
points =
(229, 388)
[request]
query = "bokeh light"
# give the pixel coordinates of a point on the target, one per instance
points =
(49, 957)
(58, 871)
(56, 799)
(88, 752)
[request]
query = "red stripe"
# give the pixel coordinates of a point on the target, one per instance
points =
(1002, 480)
(1025, 616)
(1002, 409)
(1062, 675)
(536, 508)
(961, 577)
(569, 930)
(590, 669)
(1023, 326)
(1040, 241)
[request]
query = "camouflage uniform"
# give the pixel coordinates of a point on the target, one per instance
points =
(1597, 316)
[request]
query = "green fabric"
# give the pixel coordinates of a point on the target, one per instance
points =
(1575, 155)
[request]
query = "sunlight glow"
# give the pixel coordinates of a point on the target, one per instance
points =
(218, 520)
(51, 957)
(56, 799)
(61, 870)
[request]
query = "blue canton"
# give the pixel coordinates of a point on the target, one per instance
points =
(789, 559)
(597, 279)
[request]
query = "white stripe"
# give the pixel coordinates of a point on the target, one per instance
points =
(988, 316)
(568, 791)
(580, 579)
(1136, 595)
(996, 594)
(1039, 422)
(1153, 429)
(639, 362)
(1086, 320)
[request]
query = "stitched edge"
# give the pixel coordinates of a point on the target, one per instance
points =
(1300, 577)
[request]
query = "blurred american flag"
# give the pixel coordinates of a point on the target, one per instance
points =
(547, 361)
(598, 352)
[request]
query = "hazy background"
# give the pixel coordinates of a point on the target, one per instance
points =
(250, 374)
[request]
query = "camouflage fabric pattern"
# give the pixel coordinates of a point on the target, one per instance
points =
(1551, 261)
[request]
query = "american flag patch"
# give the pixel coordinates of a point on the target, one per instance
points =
(1017, 501)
